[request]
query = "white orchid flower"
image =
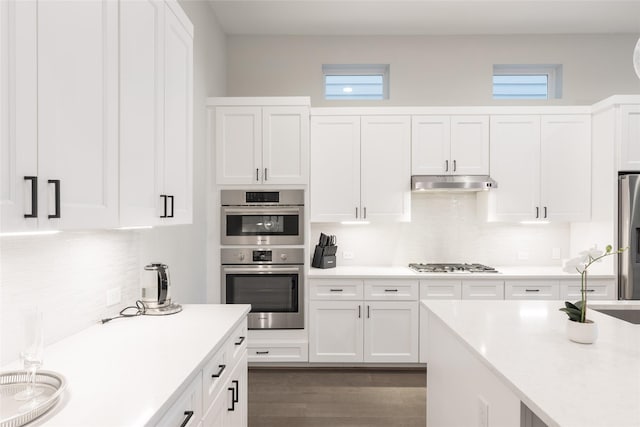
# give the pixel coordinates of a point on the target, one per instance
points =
(578, 263)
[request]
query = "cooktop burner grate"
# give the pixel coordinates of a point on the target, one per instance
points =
(451, 268)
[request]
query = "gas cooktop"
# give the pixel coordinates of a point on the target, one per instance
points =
(452, 268)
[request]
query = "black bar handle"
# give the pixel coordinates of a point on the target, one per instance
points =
(368, 312)
(265, 174)
(240, 341)
(532, 290)
(391, 290)
(454, 166)
(233, 399)
(34, 196)
(164, 198)
(262, 352)
(257, 174)
(236, 398)
(56, 183)
(335, 290)
(222, 368)
(545, 211)
(188, 415)
(537, 212)
(172, 205)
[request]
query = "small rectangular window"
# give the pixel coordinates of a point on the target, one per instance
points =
(527, 81)
(351, 81)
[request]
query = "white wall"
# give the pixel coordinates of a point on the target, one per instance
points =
(431, 70)
(68, 274)
(445, 227)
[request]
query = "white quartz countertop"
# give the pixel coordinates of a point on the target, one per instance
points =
(400, 272)
(127, 371)
(566, 384)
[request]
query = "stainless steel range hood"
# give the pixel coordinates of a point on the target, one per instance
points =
(452, 183)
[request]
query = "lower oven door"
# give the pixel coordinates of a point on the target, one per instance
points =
(274, 292)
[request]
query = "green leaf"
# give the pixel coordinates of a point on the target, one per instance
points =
(573, 314)
(575, 306)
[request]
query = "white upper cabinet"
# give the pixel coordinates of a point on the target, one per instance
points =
(262, 144)
(156, 101)
(542, 165)
(360, 168)
(64, 67)
(450, 145)
(629, 138)
(335, 168)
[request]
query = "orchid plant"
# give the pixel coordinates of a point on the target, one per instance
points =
(578, 311)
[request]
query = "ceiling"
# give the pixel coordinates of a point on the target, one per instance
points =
(426, 17)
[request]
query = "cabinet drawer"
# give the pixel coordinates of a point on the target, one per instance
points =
(483, 289)
(391, 290)
(237, 343)
(187, 409)
(214, 375)
(533, 289)
(596, 289)
(278, 352)
(335, 289)
(440, 289)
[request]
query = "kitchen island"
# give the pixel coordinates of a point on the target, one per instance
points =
(133, 371)
(509, 363)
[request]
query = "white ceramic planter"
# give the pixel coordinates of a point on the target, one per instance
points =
(584, 333)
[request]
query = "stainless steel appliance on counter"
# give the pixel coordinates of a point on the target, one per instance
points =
(156, 291)
(262, 217)
(452, 268)
(271, 280)
(629, 236)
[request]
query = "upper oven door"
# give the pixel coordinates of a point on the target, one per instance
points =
(262, 225)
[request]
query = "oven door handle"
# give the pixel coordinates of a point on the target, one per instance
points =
(269, 270)
(263, 211)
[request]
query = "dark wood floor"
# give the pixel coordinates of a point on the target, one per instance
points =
(336, 397)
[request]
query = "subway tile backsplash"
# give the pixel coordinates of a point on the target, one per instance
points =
(66, 276)
(445, 227)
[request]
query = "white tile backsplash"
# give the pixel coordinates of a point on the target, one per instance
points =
(66, 276)
(445, 227)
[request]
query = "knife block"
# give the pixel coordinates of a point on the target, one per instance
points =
(324, 256)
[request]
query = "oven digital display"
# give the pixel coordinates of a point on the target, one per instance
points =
(262, 256)
(262, 197)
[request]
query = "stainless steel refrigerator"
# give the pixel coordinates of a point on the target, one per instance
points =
(629, 236)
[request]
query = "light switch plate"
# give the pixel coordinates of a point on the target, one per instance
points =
(347, 255)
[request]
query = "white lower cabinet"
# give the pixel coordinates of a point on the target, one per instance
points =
(187, 409)
(383, 329)
(532, 289)
(596, 290)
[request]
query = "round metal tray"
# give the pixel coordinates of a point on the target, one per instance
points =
(50, 383)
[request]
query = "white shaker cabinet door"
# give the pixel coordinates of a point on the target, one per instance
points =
(629, 138)
(469, 145)
(515, 165)
(335, 168)
(391, 332)
(386, 168)
(430, 145)
(178, 119)
(238, 145)
(285, 145)
(335, 331)
(78, 113)
(18, 116)
(141, 111)
(566, 167)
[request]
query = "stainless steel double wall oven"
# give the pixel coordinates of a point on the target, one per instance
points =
(259, 266)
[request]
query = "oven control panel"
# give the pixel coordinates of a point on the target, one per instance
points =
(248, 256)
(262, 256)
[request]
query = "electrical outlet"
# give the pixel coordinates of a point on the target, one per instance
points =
(523, 255)
(347, 255)
(483, 412)
(114, 296)
(555, 253)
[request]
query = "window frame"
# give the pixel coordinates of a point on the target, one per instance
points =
(552, 71)
(356, 70)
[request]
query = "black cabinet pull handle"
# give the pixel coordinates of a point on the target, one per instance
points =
(265, 174)
(391, 290)
(335, 290)
(545, 211)
(236, 398)
(34, 196)
(262, 352)
(446, 165)
(257, 176)
(164, 200)
(537, 212)
(56, 183)
(240, 341)
(368, 312)
(364, 210)
(589, 290)
(188, 415)
(172, 205)
(222, 367)
(233, 399)
(356, 212)
(359, 311)
(454, 166)
(532, 290)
